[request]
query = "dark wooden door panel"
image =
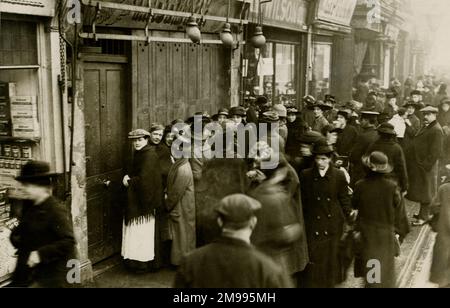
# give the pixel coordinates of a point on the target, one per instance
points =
(106, 143)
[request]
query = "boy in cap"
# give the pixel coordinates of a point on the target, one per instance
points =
(231, 261)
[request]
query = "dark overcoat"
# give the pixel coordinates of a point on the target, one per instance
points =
(377, 199)
(346, 140)
(440, 268)
(326, 202)
(229, 263)
(367, 136)
(421, 159)
(45, 228)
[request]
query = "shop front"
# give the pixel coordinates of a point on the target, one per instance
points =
(30, 106)
(137, 64)
(331, 54)
(277, 70)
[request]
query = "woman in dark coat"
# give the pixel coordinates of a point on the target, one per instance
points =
(326, 204)
(44, 238)
(145, 196)
(440, 268)
(377, 199)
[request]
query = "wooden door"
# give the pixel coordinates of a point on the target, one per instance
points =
(175, 80)
(106, 142)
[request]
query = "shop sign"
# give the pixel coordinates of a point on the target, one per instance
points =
(289, 14)
(31, 7)
(336, 11)
(126, 19)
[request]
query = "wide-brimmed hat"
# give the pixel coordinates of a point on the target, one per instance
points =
(322, 148)
(411, 103)
(280, 109)
(292, 110)
(321, 105)
(239, 110)
(138, 133)
(369, 113)
(35, 171)
(386, 128)
(377, 162)
(330, 98)
(346, 113)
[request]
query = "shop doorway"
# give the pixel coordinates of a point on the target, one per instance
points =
(106, 125)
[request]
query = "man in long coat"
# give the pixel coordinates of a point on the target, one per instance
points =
(422, 159)
(326, 203)
(367, 136)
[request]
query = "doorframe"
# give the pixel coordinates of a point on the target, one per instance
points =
(79, 172)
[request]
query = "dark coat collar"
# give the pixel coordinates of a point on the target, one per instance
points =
(425, 128)
(232, 241)
(328, 174)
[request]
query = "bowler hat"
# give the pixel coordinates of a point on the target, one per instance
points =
(35, 171)
(415, 92)
(322, 148)
(377, 162)
(239, 110)
(138, 133)
(237, 208)
(386, 128)
(310, 137)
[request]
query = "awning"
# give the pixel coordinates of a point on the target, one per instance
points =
(28, 7)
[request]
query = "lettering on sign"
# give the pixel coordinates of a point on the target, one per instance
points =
(284, 13)
(336, 11)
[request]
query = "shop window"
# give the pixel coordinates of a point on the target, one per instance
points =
(18, 43)
(270, 71)
(321, 73)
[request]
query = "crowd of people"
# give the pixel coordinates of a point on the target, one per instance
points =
(334, 196)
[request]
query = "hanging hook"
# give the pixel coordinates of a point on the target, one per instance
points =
(98, 8)
(149, 20)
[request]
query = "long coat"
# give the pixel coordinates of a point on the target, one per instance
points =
(281, 213)
(326, 202)
(396, 158)
(229, 263)
(145, 190)
(180, 204)
(378, 199)
(421, 159)
(440, 268)
(364, 139)
(45, 228)
(346, 140)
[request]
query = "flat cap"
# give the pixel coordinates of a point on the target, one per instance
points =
(138, 133)
(269, 117)
(156, 126)
(237, 208)
(429, 109)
